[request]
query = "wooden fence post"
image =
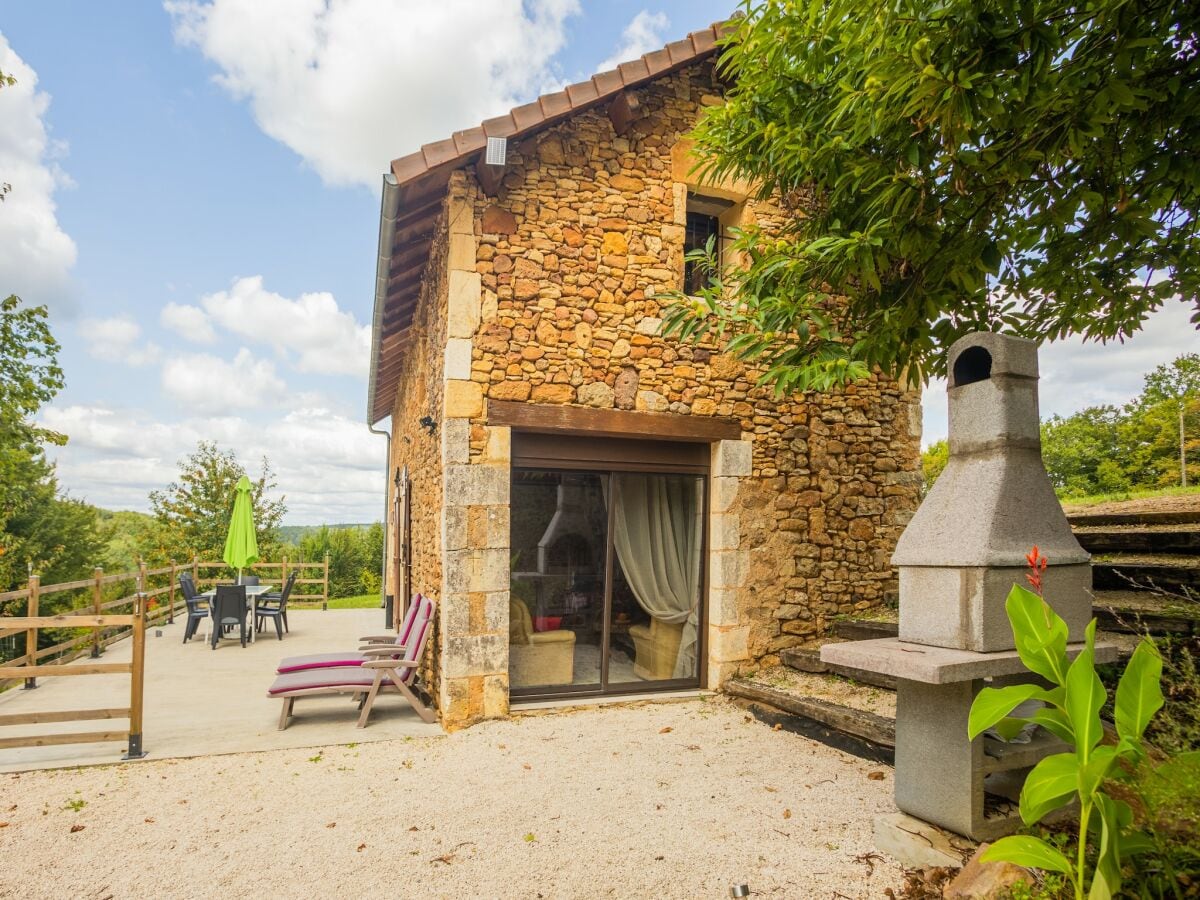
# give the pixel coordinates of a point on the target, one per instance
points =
(283, 573)
(97, 609)
(134, 750)
(196, 571)
(31, 606)
(171, 608)
(325, 585)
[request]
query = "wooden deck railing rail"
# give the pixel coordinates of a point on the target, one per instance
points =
(93, 600)
(30, 670)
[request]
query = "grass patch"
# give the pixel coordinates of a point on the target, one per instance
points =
(1096, 499)
(361, 601)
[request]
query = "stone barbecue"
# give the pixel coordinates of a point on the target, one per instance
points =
(958, 559)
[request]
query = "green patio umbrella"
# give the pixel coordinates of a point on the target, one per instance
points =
(241, 546)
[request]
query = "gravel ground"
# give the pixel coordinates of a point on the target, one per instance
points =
(676, 799)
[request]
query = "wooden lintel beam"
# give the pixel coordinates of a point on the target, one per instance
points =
(624, 111)
(554, 418)
(488, 176)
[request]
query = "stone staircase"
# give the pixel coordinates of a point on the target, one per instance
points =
(1144, 566)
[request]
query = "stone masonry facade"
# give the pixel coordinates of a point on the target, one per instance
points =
(548, 293)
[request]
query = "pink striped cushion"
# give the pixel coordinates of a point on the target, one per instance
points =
(320, 661)
(343, 676)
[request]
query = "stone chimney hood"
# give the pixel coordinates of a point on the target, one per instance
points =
(966, 545)
(994, 500)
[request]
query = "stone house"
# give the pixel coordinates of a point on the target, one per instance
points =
(597, 508)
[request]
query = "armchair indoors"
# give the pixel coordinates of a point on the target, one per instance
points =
(657, 647)
(537, 657)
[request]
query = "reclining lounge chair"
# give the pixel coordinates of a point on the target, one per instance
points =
(381, 668)
(370, 642)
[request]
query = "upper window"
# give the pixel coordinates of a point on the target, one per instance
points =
(703, 224)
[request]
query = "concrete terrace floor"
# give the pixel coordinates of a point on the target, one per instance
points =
(200, 701)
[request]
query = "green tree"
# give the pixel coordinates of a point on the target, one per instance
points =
(951, 166)
(1175, 385)
(933, 461)
(1083, 452)
(39, 530)
(194, 511)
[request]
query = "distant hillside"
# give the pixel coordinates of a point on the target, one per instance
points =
(291, 534)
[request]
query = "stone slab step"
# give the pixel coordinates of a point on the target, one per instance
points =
(1169, 572)
(864, 629)
(861, 724)
(1182, 517)
(1183, 539)
(810, 661)
(1133, 621)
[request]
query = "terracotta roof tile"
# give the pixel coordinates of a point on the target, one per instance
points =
(501, 126)
(555, 104)
(528, 115)
(633, 72)
(582, 92)
(607, 82)
(658, 61)
(470, 140)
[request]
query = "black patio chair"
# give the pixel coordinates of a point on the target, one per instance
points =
(197, 606)
(248, 580)
(229, 609)
(274, 606)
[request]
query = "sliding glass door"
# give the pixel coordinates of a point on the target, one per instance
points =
(607, 581)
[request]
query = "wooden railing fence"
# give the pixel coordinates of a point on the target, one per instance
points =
(29, 669)
(114, 596)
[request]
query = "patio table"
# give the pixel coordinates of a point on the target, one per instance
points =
(253, 592)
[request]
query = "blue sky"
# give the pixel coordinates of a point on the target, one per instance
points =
(195, 196)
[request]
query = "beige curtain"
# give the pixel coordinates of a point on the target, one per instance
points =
(657, 535)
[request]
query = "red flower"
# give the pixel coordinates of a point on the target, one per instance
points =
(1037, 565)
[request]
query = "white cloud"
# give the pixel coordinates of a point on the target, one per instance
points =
(351, 85)
(205, 384)
(1076, 375)
(36, 255)
(645, 32)
(330, 468)
(118, 339)
(189, 322)
(312, 328)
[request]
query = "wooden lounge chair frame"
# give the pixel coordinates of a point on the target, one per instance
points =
(388, 677)
(388, 673)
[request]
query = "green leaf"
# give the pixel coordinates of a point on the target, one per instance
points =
(1106, 881)
(1139, 692)
(993, 704)
(1051, 784)
(1023, 850)
(1039, 633)
(1084, 697)
(1093, 773)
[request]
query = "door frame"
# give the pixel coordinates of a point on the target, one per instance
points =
(633, 463)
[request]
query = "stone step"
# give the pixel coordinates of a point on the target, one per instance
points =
(810, 661)
(1143, 539)
(867, 726)
(1171, 572)
(864, 629)
(1184, 517)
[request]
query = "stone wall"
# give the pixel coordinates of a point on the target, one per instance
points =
(546, 294)
(586, 228)
(419, 394)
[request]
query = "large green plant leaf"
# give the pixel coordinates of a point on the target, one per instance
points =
(1097, 768)
(993, 704)
(1139, 692)
(1056, 722)
(1114, 817)
(1039, 633)
(1024, 850)
(1050, 785)
(1084, 697)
